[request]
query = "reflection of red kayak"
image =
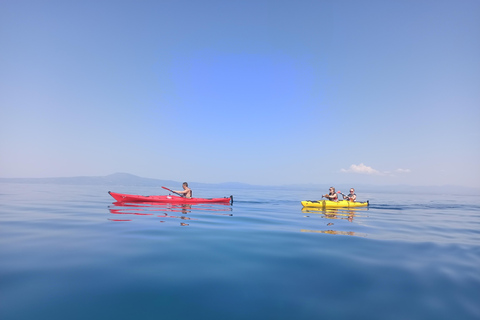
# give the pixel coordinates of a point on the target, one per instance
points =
(167, 199)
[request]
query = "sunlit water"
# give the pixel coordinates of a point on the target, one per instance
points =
(71, 252)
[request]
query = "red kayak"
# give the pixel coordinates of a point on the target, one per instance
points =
(167, 199)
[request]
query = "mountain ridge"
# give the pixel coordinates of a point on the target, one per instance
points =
(127, 179)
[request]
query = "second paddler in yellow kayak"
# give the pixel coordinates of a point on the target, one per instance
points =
(351, 196)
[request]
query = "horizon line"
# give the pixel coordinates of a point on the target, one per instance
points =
(246, 183)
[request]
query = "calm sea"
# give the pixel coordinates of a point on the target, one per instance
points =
(70, 252)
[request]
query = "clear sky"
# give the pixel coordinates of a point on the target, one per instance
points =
(261, 92)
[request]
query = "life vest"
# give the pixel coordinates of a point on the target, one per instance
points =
(349, 195)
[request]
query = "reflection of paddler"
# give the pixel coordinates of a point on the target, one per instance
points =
(331, 213)
(181, 217)
(345, 233)
(351, 214)
(185, 207)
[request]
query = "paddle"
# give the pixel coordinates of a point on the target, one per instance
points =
(344, 196)
(181, 195)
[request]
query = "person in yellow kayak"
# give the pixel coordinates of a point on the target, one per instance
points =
(351, 196)
(332, 195)
(186, 192)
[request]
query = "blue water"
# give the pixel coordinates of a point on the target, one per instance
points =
(70, 252)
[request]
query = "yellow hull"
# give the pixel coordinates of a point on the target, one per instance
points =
(326, 204)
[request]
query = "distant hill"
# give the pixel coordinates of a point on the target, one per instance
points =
(119, 179)
(126, 179)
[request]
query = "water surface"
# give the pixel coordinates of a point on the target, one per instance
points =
(71, 252)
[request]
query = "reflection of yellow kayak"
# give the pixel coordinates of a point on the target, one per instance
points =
(333, 204)
(347, 212)
(345, 233)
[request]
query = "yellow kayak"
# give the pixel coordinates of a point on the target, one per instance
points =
(333, 204)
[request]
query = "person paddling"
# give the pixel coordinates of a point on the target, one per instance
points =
(332, 195)
(351, 196)
(186, 192)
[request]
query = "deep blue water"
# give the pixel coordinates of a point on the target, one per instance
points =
(70, 252)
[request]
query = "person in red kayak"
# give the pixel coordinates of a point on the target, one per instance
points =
(187, 192)
(332, 195)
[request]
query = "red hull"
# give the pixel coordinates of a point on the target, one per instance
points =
(166, 199)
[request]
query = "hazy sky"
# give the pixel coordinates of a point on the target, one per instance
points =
(262, 92)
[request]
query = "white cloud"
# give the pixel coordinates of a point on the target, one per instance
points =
(363, 169)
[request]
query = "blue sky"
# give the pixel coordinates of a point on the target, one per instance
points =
(261, 92)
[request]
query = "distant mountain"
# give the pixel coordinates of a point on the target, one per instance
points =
(119, 179)
(125, 179)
